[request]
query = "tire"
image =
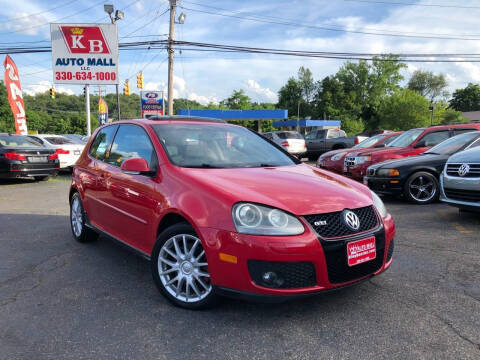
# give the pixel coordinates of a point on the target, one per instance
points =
(422, 188)
(77, 221)
(182, 276)
(41, 178)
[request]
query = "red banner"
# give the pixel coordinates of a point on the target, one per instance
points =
(15, 97)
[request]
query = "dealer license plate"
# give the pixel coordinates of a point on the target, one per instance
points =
(37, 159)
(76, 152)
(361, 251)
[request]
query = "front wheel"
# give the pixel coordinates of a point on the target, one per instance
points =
(180, 268)
(422, 188)
(77, 220)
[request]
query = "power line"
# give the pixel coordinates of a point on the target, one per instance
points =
(414, 4)
(327, 28)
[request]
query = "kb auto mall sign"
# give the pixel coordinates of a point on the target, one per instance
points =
(85, 53)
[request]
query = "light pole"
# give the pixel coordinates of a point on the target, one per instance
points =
(118, 16)
(171, 37)
(431, 109)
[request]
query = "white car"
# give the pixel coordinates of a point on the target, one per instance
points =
(291, 141)
(68, 151)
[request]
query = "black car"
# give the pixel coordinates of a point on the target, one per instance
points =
(417, 177)
(21, 156)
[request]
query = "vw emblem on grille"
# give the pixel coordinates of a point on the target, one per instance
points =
(463, 170)
(351, 220)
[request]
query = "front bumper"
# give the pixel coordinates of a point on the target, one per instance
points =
(460, 192)
(335, 166)
(387, 186)
(235, 277)
(356, 172)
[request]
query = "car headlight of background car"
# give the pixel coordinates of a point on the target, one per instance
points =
(256, 219)
(362, 159)
(379, 205)
(337, 156)
(388, 172)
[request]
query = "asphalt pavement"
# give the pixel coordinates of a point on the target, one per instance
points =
(63, 300)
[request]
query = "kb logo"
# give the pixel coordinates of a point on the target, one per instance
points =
(351, 220)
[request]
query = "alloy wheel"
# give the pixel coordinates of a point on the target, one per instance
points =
(183, 268)
(77, 217)
(422, 189)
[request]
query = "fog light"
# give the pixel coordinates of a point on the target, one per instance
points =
(272, 279)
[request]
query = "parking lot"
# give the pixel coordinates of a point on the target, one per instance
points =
(60, 299)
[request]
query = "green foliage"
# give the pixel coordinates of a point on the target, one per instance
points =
(466, 99)
(289, 97)
(237, 101)
(405, 109)
(427, 84)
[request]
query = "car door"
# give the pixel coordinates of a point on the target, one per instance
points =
(131, 198)
(430, 139)
(93, 173)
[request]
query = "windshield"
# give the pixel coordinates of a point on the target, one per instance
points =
(289, 135)
(18, 141)
(406, 138)
(58, 140)
(369, 142)
(213, 146)
(454, 144)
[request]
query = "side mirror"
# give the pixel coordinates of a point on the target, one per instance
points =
(135, 166)
(381, 145)
(420, 144)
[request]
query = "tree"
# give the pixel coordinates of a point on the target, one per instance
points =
(185, 104)
(405, 109)
(427, 84)
(306, 84)
(237, 101)
(466, 99)
(289, 97)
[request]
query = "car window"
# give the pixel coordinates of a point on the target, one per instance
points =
(454, 144)
(289, 135)
(58, 140)
(434, 138)
(407, 138)
(102, 142)
(131, 141)
(463, 131)
(321, 134)
(369, 142)
(390, 139)
(37, 139)
(311, 135)
(475, 144)
(18, 141)
(213, 146)
(268, 136)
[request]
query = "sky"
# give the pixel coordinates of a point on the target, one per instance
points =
(212, 76)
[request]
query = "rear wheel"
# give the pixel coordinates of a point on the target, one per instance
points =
(77, 220)
(41, 178)
(422, 188)
(180, 269)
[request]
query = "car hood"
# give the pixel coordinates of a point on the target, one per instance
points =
(299, 189)
(424, 159)
(387, 151)
(467, 156)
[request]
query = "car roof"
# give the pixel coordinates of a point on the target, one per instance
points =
(182, 118)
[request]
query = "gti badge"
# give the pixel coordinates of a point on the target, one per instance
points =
(320, 223)
(463, 170)
(351, 220)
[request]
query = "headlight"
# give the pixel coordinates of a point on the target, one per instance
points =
(379, 205)
(388, 172)
(337, 156)
(262, 220)
(362, 159)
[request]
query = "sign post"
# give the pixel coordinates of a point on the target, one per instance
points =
(85, 54)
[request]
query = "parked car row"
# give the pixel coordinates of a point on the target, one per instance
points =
(37, 156)
(413, 165)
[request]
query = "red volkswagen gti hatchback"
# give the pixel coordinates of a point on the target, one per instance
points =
(220, 210)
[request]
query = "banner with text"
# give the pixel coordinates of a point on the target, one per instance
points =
(84, 53)
(15, 97)
(151, 103)
(102, 112)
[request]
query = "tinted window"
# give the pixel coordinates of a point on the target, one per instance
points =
(321, 134)
(102, 142)
(369, 142)
(453, 144)
(289, 135)
(435, 138)
(37, 139)
(18, 141)
(311, 135)
(214, 146)
(131, 141)
(406, 138)
(463, 131)
(58, 140)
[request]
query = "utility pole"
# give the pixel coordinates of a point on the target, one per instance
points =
(171, 36)
(87, 109)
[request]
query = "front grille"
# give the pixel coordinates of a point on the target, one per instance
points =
(335, 227)
(290, 275)
(349, 161)
(474, 172)
(337, 264)
(390, 250)
(463, 195)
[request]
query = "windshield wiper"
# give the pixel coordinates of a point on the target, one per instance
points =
(204, 166)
